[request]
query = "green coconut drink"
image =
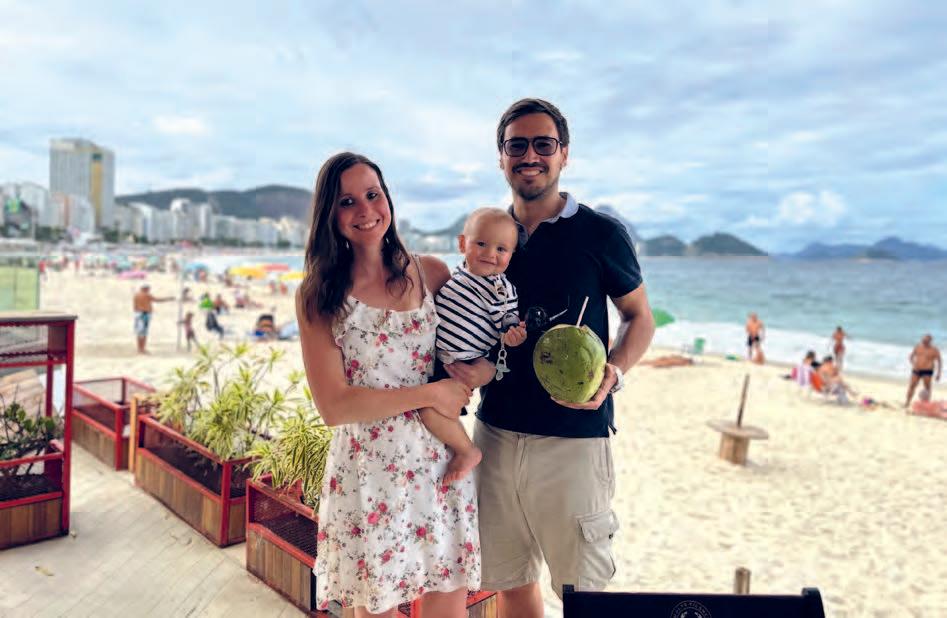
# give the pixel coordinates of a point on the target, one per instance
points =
(570, 362)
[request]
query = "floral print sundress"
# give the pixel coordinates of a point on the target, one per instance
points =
(388, 531)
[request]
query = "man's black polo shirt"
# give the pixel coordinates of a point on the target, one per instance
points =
(565, 260)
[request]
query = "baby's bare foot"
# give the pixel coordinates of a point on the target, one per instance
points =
(461, 465)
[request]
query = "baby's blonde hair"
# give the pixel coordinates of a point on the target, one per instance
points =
(493, 214)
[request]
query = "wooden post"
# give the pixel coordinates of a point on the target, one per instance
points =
(746, 384)
(132, 433)
(741, 581)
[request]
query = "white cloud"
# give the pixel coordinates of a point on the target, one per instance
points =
(642, 207)
(180, 125)
(802, 208)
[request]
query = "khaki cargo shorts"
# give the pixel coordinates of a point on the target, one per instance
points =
(545, 497)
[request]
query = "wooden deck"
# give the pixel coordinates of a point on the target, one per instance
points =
(127, 555)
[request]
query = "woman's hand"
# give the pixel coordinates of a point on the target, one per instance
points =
(474, 374)
(449, 396)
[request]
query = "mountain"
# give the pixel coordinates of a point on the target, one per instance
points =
(721, 244)
(819, 251)
(666, 245)
(273, 201)
(904, 250)
(891, 248)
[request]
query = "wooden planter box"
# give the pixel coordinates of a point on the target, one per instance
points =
(281, 543)
(198, 486)
(31, 505)
(100, 417)
(281, 551)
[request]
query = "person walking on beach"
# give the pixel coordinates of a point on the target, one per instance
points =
(838, 345)
(143, 306)
(188, 324)
(389, 530)
(924, 358)
(754, 339)
(546, 480)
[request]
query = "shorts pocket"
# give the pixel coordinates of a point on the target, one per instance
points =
(596, 563)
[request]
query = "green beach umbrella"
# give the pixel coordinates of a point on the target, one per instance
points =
(661, 317)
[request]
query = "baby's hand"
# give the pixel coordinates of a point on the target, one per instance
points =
(516, 335)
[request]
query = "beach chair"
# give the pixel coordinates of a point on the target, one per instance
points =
(696, 350)
(648, 605)
(834, 394)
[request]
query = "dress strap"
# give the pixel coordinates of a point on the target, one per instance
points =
(417, 261)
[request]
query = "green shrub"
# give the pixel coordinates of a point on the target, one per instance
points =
(220, 401)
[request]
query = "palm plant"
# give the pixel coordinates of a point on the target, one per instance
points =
(220, 401)
(297, 454)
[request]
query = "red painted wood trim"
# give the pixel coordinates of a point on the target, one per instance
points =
(225, 502)
(262, 485)
(289, 548)
(479, 596)
(53, 444)
(180, 475)
(67, 432)
(9, 504)
(96, 425)
(191, 444)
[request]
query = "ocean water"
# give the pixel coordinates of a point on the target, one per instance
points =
(884, 306)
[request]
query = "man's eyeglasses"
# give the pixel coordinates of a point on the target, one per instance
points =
(542, 145)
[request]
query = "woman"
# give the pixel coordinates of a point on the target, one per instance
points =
(389, 532)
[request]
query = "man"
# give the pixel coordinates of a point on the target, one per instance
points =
(923, 359)
(546, 480)
(754, 339)
(142, 305)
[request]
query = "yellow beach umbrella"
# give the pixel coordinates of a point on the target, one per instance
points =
(294, 275)
(251, 272)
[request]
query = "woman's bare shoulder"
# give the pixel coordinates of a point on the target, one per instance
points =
(436, 272)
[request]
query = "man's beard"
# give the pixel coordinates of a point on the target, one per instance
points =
(534, 192)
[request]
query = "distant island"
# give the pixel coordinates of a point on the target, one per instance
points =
(890, 248)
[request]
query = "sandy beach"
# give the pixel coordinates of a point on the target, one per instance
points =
(845, 499)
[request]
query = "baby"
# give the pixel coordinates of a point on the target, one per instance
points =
(472, 306)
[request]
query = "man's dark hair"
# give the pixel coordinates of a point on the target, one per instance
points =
(524, 107)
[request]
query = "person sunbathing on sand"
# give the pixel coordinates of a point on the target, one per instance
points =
(925, 407)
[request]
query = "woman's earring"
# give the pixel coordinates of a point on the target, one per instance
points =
(348, 247)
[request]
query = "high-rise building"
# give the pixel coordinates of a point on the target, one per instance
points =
(80, 167)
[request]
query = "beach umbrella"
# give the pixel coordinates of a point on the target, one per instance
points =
(294, 275)
(661, 317)
(250, 272)
(277, 267)
(133, 274)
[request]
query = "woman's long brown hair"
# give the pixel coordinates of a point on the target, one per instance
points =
(328, 267)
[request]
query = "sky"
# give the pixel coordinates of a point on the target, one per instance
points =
(782, 123)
